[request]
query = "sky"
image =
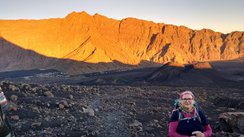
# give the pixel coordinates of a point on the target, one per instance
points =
(219, 15)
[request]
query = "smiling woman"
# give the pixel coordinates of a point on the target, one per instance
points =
(188, 120)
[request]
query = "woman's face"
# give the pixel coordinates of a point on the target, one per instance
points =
(187, 101)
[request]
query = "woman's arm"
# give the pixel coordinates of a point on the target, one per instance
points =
(172, 130)
(207, 130)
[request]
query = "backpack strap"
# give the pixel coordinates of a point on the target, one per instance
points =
(179, 115)
(196, 115)
(2, 117)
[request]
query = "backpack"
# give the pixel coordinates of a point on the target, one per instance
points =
(5, 128)
(180, 117)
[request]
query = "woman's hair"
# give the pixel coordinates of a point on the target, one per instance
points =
(185, 93)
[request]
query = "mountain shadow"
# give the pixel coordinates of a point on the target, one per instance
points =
(198, 74)
(14, 58)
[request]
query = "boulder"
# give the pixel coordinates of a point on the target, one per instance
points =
(232, 122)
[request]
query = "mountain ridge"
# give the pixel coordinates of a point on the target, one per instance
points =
(93, 39)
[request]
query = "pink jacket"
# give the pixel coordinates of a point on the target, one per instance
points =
(173, 126)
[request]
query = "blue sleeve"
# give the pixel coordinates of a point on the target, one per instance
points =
(203, 118)
(174, 116)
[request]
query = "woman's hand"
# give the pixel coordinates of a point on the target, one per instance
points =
(200, 135)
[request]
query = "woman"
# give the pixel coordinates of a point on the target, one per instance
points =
(187, 120)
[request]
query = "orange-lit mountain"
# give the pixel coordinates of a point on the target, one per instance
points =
(93, 39)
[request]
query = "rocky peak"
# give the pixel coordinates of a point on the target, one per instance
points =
(76, 15)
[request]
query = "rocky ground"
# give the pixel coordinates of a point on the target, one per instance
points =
(108, 111)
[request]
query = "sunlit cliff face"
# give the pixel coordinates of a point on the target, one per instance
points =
(96, 38)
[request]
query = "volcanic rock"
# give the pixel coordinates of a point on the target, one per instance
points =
(232, 122)
(108, 110)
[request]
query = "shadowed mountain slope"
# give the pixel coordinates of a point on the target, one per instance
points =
(13, 57)
(93, 39)
(193, 74)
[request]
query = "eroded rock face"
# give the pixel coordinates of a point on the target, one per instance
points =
(93, 39)
(232, 122)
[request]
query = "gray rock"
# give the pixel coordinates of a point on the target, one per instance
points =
(89, 110)
(14, 98)
(232, 122)
(48, 94)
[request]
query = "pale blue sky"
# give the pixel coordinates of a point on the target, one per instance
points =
(219, 15)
